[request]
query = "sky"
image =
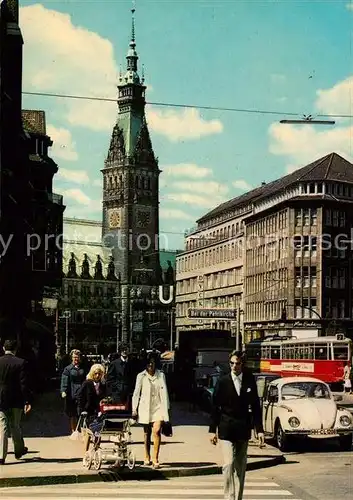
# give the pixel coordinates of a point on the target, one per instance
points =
(279, 56)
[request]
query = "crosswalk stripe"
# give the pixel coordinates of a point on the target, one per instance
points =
(210, 488)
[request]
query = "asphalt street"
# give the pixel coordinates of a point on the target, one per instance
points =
(320, 471)
(258, 487)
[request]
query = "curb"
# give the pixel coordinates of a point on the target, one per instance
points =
(147, 475)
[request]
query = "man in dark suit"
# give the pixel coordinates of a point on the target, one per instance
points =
(231, 422)
(119, 378)
(14, 400)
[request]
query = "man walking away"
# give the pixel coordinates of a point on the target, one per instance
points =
(14, 400)
(231, 422)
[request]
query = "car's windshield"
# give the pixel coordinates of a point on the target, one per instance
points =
(295, 390)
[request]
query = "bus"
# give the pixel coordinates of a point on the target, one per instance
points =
(320, 357)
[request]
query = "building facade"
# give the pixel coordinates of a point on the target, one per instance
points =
(90, 306)
(14, 183)
(131, 203)
(294, 252)
(30, 262)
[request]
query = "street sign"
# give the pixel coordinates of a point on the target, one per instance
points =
(213, 313)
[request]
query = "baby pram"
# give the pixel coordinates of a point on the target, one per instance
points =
(110, 437)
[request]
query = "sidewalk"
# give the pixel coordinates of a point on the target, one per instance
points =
(54, 459)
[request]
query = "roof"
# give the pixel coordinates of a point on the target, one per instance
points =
(34, 121)
(331, 167)
(289, 380)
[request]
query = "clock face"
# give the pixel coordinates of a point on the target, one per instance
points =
(143, 218)
(114, 218)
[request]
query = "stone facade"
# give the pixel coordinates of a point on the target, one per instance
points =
(92, 292)
(131, 202)
(282, 252)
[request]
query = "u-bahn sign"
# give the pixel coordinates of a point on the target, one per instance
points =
(213, 313)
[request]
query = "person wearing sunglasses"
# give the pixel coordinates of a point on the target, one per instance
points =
(232, 422)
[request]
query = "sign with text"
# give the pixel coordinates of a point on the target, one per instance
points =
(213, 313)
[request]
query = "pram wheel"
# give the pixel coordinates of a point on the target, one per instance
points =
(87, 460)
(130, 460)
(97, 459)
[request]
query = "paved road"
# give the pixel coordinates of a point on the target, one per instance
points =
(320, 472)
(257, 487)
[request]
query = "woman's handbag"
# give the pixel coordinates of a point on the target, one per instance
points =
(167, 429)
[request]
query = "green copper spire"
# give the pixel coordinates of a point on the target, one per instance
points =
(132, 57)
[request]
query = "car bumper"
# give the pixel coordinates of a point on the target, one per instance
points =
(320, 433)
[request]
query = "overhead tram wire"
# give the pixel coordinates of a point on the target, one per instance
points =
(187, 106)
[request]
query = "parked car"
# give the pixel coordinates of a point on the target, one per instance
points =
(296, 407)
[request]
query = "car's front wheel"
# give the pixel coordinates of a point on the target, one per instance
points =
(281, 438)
(346, 442)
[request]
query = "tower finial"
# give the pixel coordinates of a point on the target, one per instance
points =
(133, 21)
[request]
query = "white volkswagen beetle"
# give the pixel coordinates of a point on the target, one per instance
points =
(296, 407)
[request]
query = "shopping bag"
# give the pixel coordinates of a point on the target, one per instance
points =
(167, 429)
(76, 436)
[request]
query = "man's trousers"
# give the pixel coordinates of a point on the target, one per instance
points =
(10, 421)
(234, 468)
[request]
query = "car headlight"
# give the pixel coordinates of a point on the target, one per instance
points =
(345, 421)
(294, 422)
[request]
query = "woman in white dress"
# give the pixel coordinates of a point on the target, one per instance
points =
(150, 404)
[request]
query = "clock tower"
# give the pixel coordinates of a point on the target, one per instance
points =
(130, 191)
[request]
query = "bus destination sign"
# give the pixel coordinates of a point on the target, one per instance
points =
(213, 313)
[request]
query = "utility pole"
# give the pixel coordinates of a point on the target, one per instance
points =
(67, 316)
(171, 329)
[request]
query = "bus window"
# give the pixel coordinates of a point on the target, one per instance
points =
(340, 352)
(321, 351)
(275, 352)
(285, 350)
(265, 352)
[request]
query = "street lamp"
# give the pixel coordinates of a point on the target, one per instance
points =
(308, 120)
(67, 316)
(117, 317)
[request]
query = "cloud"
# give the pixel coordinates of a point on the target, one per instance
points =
(68, 59)
(76, 176)
(63, 145)
(194, 199)
(187, 170)
(302, 144)
(186, 124)
(337, 100)
(98, 183)
(65, 58)
(174, 213)
(305, 144)
(278, 78)
(207, 187)
(79, 205)
(76, 195)
(242, 185)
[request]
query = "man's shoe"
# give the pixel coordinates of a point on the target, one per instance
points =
(24, 452)
(2, 461)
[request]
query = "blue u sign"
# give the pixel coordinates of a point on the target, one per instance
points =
(161, 295)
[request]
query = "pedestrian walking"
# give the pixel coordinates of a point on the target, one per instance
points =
(347, 379)
(150, 405)
(119, 378)
(15, 400)
(92, 391)
(231, 422)
(72, 379)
